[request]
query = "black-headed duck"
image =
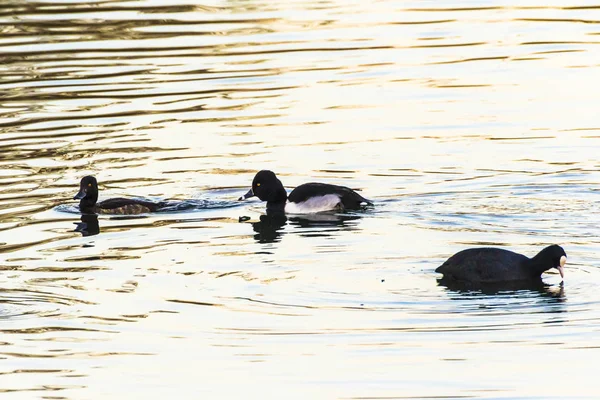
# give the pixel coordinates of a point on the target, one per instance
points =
(305, 199)
(88, 197)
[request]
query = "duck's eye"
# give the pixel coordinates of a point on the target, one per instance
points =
(258, 184)
(89, 185)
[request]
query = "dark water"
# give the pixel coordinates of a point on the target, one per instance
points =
(468, 122)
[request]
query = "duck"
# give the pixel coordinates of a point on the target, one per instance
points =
(308, 198)
(489, 265)
(88, 197)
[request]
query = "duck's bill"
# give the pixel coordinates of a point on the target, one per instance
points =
(79, 195)
(247, 195)
(561, 266)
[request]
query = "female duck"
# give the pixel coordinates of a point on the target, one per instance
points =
(88, 197)
(305, 199)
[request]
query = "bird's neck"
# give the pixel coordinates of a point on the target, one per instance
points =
(539, 264)
(88, 203)
(278, 205)
(277, 200)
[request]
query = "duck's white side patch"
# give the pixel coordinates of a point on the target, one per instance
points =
(329, 202)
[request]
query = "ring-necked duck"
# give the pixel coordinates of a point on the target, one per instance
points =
(305, 199)
(491, 265)
(88, 196)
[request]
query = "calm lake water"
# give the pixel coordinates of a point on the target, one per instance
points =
(467, 122)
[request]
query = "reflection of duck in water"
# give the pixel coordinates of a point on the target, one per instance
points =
(322, 220)
(88, 197)
(269, 228)
(305, 199)
(89, 225)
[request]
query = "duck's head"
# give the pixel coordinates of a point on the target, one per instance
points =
(266, 187)
(88, 190)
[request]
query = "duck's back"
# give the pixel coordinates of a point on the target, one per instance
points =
(348, 198)
(486, 265)
(122, 206)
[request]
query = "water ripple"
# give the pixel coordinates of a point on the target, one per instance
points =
(469, 123)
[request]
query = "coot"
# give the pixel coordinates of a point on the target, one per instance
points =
(492, 265)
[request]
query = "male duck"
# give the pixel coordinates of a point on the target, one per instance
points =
(305, 199)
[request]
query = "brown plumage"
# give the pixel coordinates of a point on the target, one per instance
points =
(88, 197)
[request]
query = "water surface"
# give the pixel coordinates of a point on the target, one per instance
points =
(468, 123)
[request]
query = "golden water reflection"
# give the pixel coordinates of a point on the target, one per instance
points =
(469, 123)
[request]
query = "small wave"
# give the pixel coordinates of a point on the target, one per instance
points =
(19, 303)
(169, 206)
(193, 205)
(67, 208)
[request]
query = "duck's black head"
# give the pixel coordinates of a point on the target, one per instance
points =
(267, 187)
(552, 256)
(88, 193)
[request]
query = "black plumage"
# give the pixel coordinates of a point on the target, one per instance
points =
(267, 187)
(492, 265)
